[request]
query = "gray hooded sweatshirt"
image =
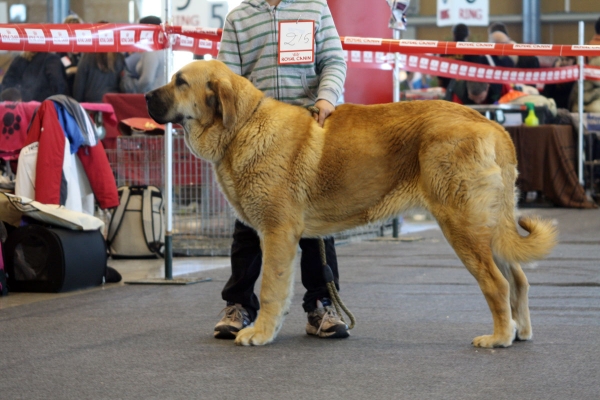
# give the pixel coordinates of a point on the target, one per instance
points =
(249, 47)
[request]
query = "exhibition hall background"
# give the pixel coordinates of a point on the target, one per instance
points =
(367, 18)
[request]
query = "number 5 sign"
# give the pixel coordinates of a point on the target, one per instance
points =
(296, 42)
(204, 13)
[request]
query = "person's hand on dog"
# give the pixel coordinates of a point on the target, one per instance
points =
(325, 110)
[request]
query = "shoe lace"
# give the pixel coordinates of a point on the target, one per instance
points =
(328, 316)
(234, 312)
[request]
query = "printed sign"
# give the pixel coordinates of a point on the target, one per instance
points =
(35, 36)
(296, 42)
(9, 35)
(468, 12)
(84, 37)
(205, 13)
(106, 37)
(127, 37)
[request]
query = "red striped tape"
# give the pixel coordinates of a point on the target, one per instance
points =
(119, 37)
(360, 52)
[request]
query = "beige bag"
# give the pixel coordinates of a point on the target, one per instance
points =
(136, 227)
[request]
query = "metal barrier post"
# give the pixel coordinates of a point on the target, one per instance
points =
(580, 107)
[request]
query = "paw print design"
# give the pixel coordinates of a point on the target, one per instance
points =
(11, 124)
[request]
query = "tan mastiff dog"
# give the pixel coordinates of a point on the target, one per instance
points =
(289, 178)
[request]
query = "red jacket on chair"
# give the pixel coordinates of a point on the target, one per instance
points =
(47, 130)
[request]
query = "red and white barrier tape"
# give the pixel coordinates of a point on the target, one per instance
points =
(83, 38)
(118, 37)
(360, 52)
(450, 68)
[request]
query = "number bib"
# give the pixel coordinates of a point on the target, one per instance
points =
(296, 42)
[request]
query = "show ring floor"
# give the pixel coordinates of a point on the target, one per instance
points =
(417, 310)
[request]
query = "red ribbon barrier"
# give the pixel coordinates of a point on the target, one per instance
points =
(82, 38)
(360, 52)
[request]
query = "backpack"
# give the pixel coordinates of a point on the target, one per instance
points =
(136, 226)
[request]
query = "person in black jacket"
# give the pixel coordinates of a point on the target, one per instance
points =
(97, 74)
(36, 75)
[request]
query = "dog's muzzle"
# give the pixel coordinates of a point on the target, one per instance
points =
(158, 109)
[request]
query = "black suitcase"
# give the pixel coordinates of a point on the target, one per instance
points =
(40, 258)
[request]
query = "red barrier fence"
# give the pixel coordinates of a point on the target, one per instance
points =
(360, 52)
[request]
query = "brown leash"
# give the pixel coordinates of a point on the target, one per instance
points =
(328, 274)
(333, 293)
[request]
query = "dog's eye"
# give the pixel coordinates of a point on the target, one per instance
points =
(179, 81)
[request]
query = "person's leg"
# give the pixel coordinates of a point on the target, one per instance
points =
(246, 260)
(311, 267)
(242, 303)
(323, 320)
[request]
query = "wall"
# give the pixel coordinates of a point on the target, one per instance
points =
(89, 10)
(367, 19)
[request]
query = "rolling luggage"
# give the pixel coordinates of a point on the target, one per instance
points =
(43, 258)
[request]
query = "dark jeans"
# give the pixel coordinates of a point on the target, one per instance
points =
(246, 261)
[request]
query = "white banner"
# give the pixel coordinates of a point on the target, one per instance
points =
(468, 12)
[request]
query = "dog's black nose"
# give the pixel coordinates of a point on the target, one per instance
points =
(148, 96)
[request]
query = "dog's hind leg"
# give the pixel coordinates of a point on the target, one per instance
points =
(472, 245)
(279, 250)
(519, 302)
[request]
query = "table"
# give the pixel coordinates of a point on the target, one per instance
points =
(546, 159)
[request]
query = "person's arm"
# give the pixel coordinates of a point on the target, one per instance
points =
(151, 61)
(13, 75)
(81, 78)
(55, 73)
(331, 65)
(229, 52)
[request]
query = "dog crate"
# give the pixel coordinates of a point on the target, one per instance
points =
(202, 219)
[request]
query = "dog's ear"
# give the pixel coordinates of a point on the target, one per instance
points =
(226, 101)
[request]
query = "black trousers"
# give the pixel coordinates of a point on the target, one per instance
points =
(246, 262)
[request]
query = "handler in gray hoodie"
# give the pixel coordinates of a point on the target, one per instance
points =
(250, 47)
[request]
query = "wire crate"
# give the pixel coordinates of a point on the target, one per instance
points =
(202, 219)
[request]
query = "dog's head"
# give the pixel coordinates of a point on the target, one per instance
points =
(201, 91)
(208, 100)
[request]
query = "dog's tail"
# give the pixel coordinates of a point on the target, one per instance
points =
(512, 247)
(507, 242)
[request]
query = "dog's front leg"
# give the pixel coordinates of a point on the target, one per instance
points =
(279, 249)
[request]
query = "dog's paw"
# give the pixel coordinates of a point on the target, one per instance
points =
(524, 334)
(490, 341)
(252, 337)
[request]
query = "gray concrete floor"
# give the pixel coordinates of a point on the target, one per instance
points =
(417, 310)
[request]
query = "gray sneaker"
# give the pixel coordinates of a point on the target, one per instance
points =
(325, 323)
(236, 318)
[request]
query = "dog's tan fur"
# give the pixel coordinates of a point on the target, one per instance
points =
(289, 178)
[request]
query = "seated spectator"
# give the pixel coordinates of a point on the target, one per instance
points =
(147, 72)
(71, 60)
(36, 75)
(497, 27)
(460, 33)
(98, 74)
(516, 61)
(470, 92)
(561, 92)
(11, 94)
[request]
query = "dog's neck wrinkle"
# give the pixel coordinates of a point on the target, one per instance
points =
(242, 122)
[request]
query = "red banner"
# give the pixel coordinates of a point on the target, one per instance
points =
(140, 37)
(360, 52)
(83, 38)
(449, 68)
